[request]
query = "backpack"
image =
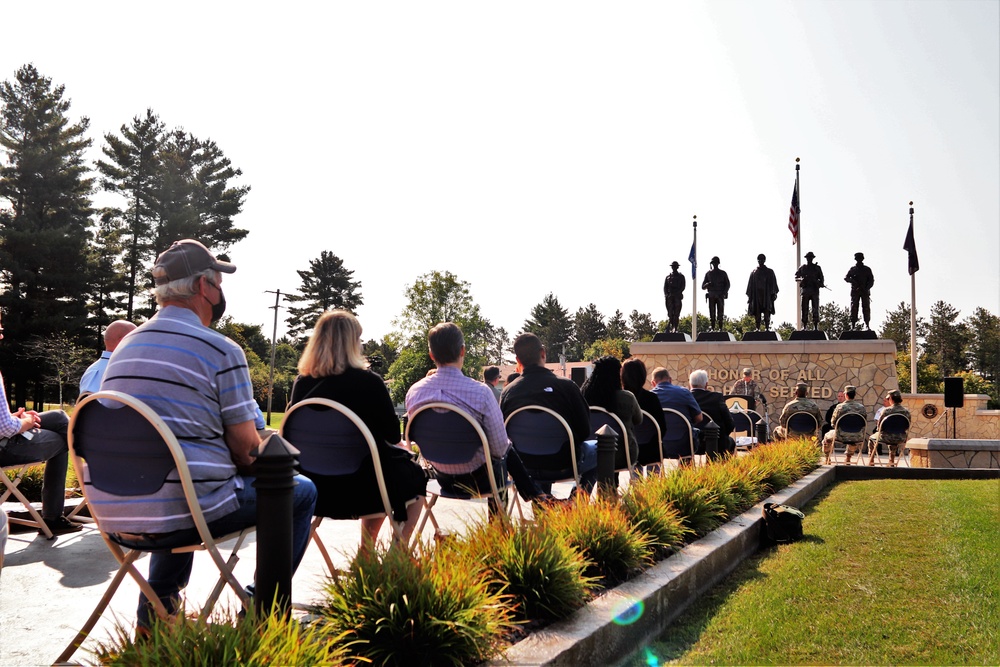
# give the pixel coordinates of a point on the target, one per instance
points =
(782, 523)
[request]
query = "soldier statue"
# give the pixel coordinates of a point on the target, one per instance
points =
(810, 279)
(861, 279)
(673, 294)
(717, 283)
(762, 290)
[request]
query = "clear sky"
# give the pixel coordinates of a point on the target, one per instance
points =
(536, 147)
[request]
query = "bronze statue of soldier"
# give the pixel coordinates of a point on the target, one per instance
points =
(810, 279)
(716, 283)
(673, 294)
(861, 279)
(762, 290)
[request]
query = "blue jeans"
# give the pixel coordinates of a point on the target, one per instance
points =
(586, 465)
(169, 573)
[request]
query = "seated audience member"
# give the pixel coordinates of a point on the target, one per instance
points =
(491, 377)
(675, 445)
(446, 345)
(179, 366)
(713, 404)
(798, 404)
(852, 443)
(634, 380)
(510, 378)
(333, 367)
(893, 406)
(828, 419)
(113, 334)
(604, 389)
(540, 386)
(27, 436)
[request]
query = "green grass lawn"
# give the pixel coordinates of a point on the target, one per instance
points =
(890, 572)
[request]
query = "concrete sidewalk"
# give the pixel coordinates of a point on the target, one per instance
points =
(49, 588)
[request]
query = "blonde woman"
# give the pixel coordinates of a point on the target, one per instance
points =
(333, 367)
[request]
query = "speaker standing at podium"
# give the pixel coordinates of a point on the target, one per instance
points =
(748, 387)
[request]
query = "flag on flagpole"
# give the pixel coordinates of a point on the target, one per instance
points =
(793, 213)
(694, 262)
(911, 248)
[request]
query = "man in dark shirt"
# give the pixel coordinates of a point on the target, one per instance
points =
(537, 385)
(713, 404)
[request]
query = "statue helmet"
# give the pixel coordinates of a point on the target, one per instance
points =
(715, 260)
(761, 258)
(674, 264)
(810, 255)
(859, 256)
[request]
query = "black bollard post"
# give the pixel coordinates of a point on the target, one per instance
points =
(710, 436)
(274, 469)
(761, 429)
(607, 445)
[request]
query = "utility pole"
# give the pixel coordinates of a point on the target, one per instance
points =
(274, 337)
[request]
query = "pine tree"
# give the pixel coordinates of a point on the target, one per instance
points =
(553, 325)
(897, 327)
(947, 339)
(617, 326)
(588, 327)
(43, 233)
(133, 171)
(326, 284)
(641, 326)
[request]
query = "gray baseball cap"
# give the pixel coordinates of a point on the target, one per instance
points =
(186, 258)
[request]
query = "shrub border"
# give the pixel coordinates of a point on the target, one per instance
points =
(592, 637)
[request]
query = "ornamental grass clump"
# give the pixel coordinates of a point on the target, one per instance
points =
(538, 569)
(751, 474)
(615, 548)
(391, 608)
(224, 639)
(735, 493)
(700, 509)
(645, 509)
(787, 461)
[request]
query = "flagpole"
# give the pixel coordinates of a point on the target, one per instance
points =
(913, 323)
(694, 281)
(798, 254)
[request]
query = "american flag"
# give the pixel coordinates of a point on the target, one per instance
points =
(793, 214)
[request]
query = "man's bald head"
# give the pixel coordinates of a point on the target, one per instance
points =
(115, 332)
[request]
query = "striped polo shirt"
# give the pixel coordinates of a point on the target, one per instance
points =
(198, 382)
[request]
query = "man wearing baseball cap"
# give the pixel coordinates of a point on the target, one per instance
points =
(198, 381)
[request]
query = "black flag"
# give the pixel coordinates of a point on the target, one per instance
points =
(911, 248)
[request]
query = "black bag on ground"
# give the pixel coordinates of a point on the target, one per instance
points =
(782, 523)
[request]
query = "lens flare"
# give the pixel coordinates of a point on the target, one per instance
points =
(629, 612)
(651, 659)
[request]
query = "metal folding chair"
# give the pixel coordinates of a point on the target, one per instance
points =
(802, 424)
(895, 424)
(677, 423)
(121, 449)
(650, 443)
(448, 435)
(332, 440)
(10, 489)
(850, 423)
(600, 417)
(537, 431)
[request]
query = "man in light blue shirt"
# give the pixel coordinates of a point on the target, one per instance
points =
(92, 377)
